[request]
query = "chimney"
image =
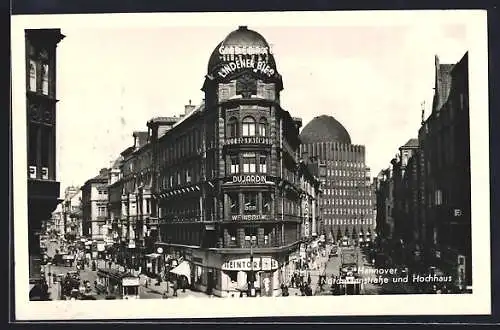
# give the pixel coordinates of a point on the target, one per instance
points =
(188, 108)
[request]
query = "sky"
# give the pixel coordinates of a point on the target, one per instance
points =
(372, 78)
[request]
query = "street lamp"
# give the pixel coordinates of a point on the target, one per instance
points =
(251, 287)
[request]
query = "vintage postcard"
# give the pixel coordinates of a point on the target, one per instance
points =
(204, 165)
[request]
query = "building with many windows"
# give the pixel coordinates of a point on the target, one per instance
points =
(43, 189)
(445, 142)
(234, 197)
(348, 201)
(95, 209)
(424, 199)
(72, 212)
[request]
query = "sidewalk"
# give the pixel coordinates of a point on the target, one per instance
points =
(167, 287)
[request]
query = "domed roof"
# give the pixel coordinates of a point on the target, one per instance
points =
(242, 37)
(324, 129)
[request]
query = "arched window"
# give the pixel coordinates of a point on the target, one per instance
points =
(248, 126)
(263, 127)
(32, 77)
(45, 79)
(232, 127)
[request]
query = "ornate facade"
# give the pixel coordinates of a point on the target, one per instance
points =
(43, 189)
(233, 198)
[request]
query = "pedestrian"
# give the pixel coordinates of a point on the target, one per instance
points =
(175, 287)
(309, 279)
(292, 280)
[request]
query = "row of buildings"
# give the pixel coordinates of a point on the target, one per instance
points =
(228, 191)
(424, 197)
(231, 188)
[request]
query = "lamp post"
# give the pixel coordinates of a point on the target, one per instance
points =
(251, 286)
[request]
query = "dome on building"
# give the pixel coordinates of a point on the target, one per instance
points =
(324, 129)
(242, 37)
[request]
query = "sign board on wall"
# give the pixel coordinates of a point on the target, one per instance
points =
(249, 179)
(250, 217)
(244, 264)
(237, 58)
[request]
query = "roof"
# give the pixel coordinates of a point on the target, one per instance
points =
(198, 109)
(101, 177)
(240, 37)
(412, 143)
(324, 129)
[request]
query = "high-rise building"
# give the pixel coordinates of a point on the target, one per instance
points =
(43, 189)
(348, 200)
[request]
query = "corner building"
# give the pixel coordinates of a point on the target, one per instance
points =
(233, 201)
(348, 202)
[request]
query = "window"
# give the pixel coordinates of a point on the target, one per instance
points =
(234, 203)
(33, 145)
(249, 163)
(45, 79)
(101, 211)
(232, 127)
(235, 165)
(250, 203)
(263, 127)
(188, 176)
(46, 150)
(266, 202)
(438, 197)
(32, 77)
(248, 126)
(262, 165)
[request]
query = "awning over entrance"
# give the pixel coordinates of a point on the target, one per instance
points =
(183, 269)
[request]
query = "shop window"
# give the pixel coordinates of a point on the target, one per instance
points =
(249, 163)
(262, 165)
(232, 127)
(32, 76)
(250, 203)
(263, 127)
(45, 79)
(234, 203)
(235, 165)
(248, 126)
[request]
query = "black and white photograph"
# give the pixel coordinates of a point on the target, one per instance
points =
(250, 164)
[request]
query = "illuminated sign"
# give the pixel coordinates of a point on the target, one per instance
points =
(245, 264)
(238, 64)
(249, 179)
(248, 140)
(244, 50)
(250, 217)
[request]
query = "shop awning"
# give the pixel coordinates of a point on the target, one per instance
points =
(183, 269)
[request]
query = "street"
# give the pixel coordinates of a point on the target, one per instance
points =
(367, 273)
(151, 291)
